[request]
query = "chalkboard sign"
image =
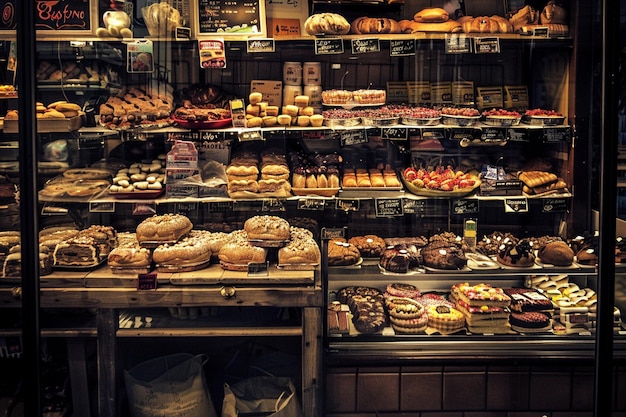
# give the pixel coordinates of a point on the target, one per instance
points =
(389, 207)
(66, 16)
(57, 17)
(232, 17)
(328, 46)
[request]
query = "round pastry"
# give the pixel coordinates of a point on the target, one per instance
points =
(370, 246)
(400, 259)
(587, 256)
(517, 255)
(409, 326)
(439, 255)
(342, 253)
(404, 308)
(529, 321)
(163, 228)
(397, 289)
(556, 253)
(445, 319)
(189, 251)
(267, 228)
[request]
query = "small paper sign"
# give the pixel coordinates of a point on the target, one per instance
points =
(401, 47)
(364, 46)
(258, 268)
(147, 281)
(487, 45)
(250, 135)
(328, 46)
(273, 204)
(414, 206)
(353, 137)
(556, 134)
(555, 205)
(140, 56)
(328, 233)
(221, 206)
(212, 53)
(260, 45)
(102, 207)
(516, 205)
(389, 207)
(458, 44)
(311, 204)
(394, 133)
(463, 206)
(347, 204)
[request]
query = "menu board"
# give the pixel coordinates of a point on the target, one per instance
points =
(58, 16)
(231, 17)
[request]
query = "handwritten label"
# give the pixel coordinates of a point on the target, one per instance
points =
(492, 134)
(147, 281)
(556, 134)
(220, 206)
(414, 206)
(345, 204)
(541, 31)
(311, 204)
(463, 206)
(394, 133)
(62, 15)
(364, 46)
(516, 205)
(232, 17)
(487, 45)
(352, 137)
(273, 204)
(458, 44)
(328, 46)
(518, 135)
(389, 207)
(260, 45)
(250, 135)
(401, 47)
(328, 233)
(101, 207)
(555, 205)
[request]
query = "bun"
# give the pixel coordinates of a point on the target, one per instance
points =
(326, 24)
(431, 15)
(557, 253)
(449, 26)
(368, 25)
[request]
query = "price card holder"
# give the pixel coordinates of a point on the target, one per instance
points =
(516, 205)
(328, 46)
(555, 205)
(458, 43)
(220, 206)
(147, 281)
(389, 207)
(260, 45)
(140, 57)
(518, 135)
(365, 46)
(353, 137)
(401, 47)
(490, 45)
(347, 204)
(556, 134)
(189, 209)
(328, 233)
(461, 134)
(250, 135)
(258, 269)
(493, 134)
(101, 207)
(394, 133)
(273, 205)
(314, 204)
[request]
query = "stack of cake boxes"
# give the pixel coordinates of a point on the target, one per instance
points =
(181, 164)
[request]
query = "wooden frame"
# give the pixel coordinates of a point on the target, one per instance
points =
(61, 11)
(200, 34)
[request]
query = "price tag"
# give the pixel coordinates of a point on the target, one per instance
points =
(250, 135)
(518, 135)
(247, 205)
(493, 134)
(458, 43)
(401, 47)
(314, 134)
(556, 134)
(182, 33)
(273, 204)
(328, 46)
(389, 207)
(101, 207)
(344, 204)
(487, 45)
(328, 233)
(260, 45)
(394, 133)
(258, 268)
(541, 31)
(364, 46)
(147, 281)
(555, 205)
(414, 206)
(311, 204)
(463, 206)
(516, 205)
(460, 134)
(352, 137)
(220, 206)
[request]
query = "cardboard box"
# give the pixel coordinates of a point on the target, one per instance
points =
(181, 189)
(277, 27)
(441, 93)
(397, 92)
(174, 175)
(182, 155)
(419, 92)
(489, 98)
(272, 91)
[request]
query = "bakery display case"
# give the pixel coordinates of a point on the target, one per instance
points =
(423, 176)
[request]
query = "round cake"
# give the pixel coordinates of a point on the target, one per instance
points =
(398, 289)
(517, 254)
(530, 321)
(400, 258)
(404, 308)
(267, 228)
(445, 319)
(370, 246)
(443, 256)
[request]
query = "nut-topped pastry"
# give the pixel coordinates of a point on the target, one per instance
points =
(272, 228)
(163, 228)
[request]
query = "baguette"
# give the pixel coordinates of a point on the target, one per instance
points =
(558, 185)
(534, 179)
(431, 15)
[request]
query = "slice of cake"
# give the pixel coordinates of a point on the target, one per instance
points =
(79, 251)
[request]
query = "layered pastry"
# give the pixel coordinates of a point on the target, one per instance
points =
(530, 322)
(400, 259)
(104, 236)
(370, 246)
(12, 262)
(52, 237)
(342, 253)
(528, 299)
(78, 251)
(518, 254)
(267, 228)
(479, 295)
(301, 250)
(557, 253)
(402, 290)
(163, 228)
(188, 254)
(406, 315)
(8, 240)
(491, 319)
(445, 319)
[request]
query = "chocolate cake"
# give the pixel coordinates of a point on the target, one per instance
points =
(400, 258)
(517, 254)
(442, 255)
(528, 299)
(530, 322)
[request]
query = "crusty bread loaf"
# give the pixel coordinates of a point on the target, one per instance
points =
(554, 186)
(241, 253)
(431, 15)
(267, 228)
(163, 228)
(411, 26)
(368, 25)
(326, 24)
(536, 178)
(187, 251)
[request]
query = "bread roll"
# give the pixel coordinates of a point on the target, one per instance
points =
(431, 15)
(450, 26)
(326, 24)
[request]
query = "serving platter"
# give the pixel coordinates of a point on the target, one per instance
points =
(207, 124)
